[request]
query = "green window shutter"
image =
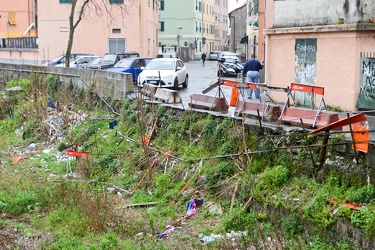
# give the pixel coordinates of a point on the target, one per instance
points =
(161, 26)
(65, 1)
(162, 5)
(116, 1)
(256, 4)
(249, 9)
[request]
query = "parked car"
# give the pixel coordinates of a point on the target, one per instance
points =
(78, 61)
(131, 65)
(227, 53)
(110, 59)
(230, 66)
(165, 72)
(61, 59)
(214, 55)
(92, 63)
(166, 55)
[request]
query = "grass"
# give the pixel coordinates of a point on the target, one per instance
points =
(266, 195)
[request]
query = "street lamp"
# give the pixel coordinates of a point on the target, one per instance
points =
(178, 41)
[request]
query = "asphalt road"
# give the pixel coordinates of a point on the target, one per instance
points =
(201, 78)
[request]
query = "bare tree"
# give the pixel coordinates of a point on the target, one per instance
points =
(100, 7)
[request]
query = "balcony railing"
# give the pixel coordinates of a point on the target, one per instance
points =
(19, 43)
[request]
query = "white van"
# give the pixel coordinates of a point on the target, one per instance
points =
(166, 55)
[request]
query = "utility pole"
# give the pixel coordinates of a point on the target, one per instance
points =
(178, 42)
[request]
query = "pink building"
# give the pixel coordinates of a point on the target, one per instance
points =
(130, 26)
(329, 44)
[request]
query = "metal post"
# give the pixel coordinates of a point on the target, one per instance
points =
(178, 42)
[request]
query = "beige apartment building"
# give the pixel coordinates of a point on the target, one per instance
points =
(34, 31)
(215, 25)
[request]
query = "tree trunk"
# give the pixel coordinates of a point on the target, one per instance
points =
(71, 33)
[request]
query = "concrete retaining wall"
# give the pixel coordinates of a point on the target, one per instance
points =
(105, 83)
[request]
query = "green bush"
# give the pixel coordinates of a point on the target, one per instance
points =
(239, 220)
(365, 194)
(292, 227)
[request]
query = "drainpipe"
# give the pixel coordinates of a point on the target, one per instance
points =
(232, 33)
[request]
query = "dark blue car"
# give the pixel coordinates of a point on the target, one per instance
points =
(132, 65)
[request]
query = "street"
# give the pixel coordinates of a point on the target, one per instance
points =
(199, 79)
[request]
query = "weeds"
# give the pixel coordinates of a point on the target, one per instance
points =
(266, 195)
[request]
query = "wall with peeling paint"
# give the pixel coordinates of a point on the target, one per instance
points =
(297, 13)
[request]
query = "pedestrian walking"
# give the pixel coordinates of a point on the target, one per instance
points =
(203, 58)
(251, 71)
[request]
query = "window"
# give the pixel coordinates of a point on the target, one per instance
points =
(161, 25)
(116, 1)
(162, 5)
(116, 45)
(12, 18)
(65, 1)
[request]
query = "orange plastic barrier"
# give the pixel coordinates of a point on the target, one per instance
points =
(310, 117)
(341, 123)
(233, 97)
(76, 153)
(250, 85)
(307, 88)
(361, 137)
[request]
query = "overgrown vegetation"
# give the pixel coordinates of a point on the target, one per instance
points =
(258, 188)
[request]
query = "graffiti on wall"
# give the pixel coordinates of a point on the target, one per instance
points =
(366, 94)
(305, 66)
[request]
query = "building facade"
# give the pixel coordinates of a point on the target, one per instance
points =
(194, 26)
(181, 27)
(131, 26)
(238, 29)
(209, 17)
(329, 44)
(221, 26)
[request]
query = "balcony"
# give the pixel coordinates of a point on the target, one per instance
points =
(19, 43)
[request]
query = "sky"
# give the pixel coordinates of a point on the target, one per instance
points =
(233, 4)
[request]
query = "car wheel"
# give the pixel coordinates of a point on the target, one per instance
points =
(186, 82)
(175, 85)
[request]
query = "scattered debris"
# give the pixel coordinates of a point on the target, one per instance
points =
(51, 104)
(32, 146)
(235, 235)
(147, 138)
(207, 239)
(145, 204)
(192, 207)
(167, 231)
(215, 209)
(144, 176)
(112, 124)
(72, 153)
(346, 204)
(18, 159)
